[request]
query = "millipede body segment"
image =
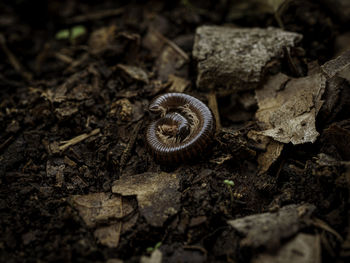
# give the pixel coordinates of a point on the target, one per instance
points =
(184, 129)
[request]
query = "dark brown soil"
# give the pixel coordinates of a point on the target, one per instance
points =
(53, 90)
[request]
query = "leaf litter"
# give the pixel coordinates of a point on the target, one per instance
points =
(77, 130)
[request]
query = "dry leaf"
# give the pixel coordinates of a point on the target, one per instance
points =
(178, 84)
(102, 39)
(135, 73)
(288, 113)
(268, 229)
(109, 235)
(273, 150)
(156, 194)
(339, 66)
(100, 207)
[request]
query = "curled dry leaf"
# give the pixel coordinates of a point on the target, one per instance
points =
(288, 107)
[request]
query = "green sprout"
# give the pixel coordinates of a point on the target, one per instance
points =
(230, 184)
(72, 33)
(62, 34)
(151, 249)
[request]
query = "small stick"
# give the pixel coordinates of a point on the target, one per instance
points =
(75, 140)
(213, 105)
(175, 47)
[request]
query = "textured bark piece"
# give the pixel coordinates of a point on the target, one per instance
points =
(235, 58)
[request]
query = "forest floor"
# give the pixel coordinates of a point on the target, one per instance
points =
(77, 182)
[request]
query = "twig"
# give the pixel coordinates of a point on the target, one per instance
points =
(175, 47)
(323, 225)
(213, 105)
(75, 140)
(63, 57)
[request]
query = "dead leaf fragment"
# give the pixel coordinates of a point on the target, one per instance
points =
(268, 229)
(171, 59)
(288, 113)
(109, 235)
(178, 84)
(134, 72)
(339, 66)
(97, 208)
(273, 150)
(156, 194)
(102, 39)
(170, 62)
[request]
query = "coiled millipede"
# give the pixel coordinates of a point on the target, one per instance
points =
(185, 129)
